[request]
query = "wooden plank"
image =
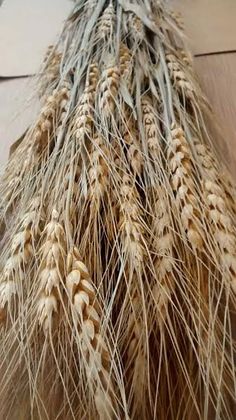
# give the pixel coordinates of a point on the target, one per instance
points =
(19, 108)
(210, 25)
(218, 79)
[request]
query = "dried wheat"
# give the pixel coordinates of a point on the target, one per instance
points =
(126, 64)
(51, 272)
(150, 124)
(107, 20)
(109, 89)
(131, 229)
(51, 70)
(98, 172)
(179, 78)
(223, 229)
(180, 165)
(22, 250)
(163, 246)
(84, 114)
(132, 141)
(86, 315)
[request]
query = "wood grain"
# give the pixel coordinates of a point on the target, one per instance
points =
(210, 24)
(218, 79)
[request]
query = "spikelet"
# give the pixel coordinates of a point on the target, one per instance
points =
(109, 89)
(136, 372)
(51, 272)
(163, 245)
(126, 64)
(150, 127)
(132, 141)
(94, 346)
(178, 20)
(22, 249)
(32, 150)
(186, 59)
(180, 166)
(98, 172)
(84, 114)
(179, 78)
(136, 28)
(106, 23)
(51, 70)
(130, 224)
(223, 229)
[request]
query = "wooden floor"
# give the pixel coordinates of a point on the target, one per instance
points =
(211, 29)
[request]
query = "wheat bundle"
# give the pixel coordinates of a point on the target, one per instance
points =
(118, 246)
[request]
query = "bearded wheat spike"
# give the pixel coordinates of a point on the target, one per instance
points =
(85, 312)
(51, 272)
(177, 18)
(136, 362)
(31, 151)
(22, 250)
(187, 59)
(84, 114)
(129, 222)
(212, 171)
(51, 71)
(98, 171)
(180, 164)
(151, 127)
(107, 22)
(223, 228)
(131, 138)
(179, 78)
(136, 27)
(109, 89)
(126, 64)
(164, 256)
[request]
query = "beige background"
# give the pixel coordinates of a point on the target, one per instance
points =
(27, 27)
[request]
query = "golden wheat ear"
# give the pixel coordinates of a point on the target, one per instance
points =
(118, 249)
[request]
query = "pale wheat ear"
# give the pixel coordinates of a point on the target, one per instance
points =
(117, 263)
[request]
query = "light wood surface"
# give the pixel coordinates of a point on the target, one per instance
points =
(209, 24)
(217, 76)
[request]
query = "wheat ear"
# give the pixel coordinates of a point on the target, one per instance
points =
(164, 262)
(106, 23)
(109, 89)
(93, 345)
(22, 250)
(84, 114)
(51, 272)
(223, 229)
(180, 165)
